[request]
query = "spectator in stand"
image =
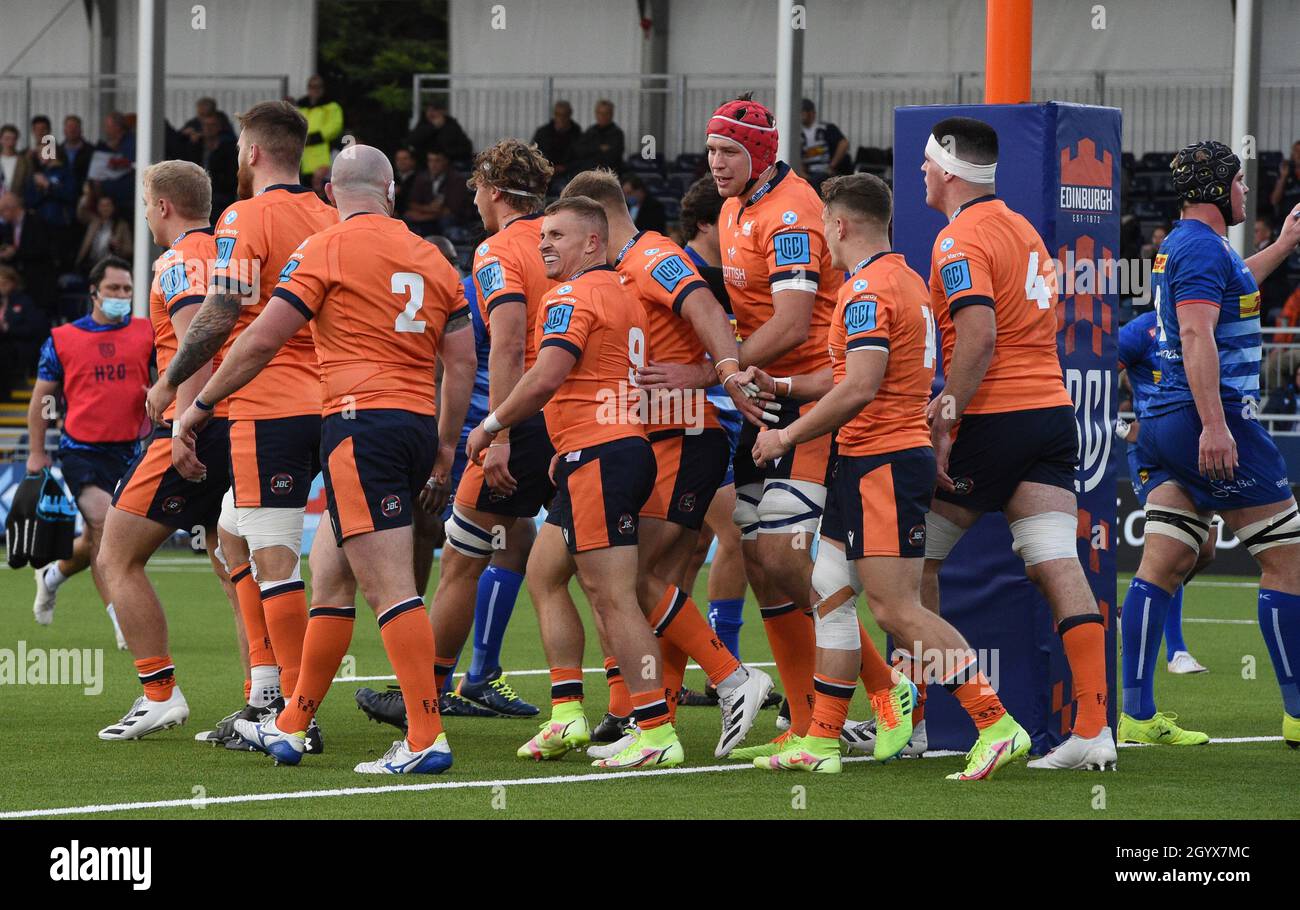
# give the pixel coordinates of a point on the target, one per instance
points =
(825, 150)
(1158, 235)
(26, 244)
(119, 142)
(602, 144)
(558, 139)
(22, 330)
(52, 195)
(193, 128)
(439, 197)
(1286, 191)
(219, 156)
(76, 151)
(15, 167)
(107, 234)
(405, 175)
(319, 178)
(1290, 315)
(37, 143)
(1285, 399)
(1273, 290)
(324, 127)
(647, 212)
(440, 132)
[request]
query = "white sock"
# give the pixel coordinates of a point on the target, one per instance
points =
(265, 686)
(54, 578)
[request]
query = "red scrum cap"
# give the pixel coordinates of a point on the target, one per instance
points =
(752, 127)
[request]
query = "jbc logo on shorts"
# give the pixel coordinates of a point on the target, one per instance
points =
(173, 504)
(916, 536)
(282, 484)
(391, 506)
(625, 524)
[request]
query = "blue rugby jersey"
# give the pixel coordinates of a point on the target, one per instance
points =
(1139, 354)
(1196, 265)
(478, 400)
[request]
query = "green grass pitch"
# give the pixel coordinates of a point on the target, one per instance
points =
(51, 758)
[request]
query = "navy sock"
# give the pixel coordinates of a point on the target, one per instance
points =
(497, 590)
(1279, 620)
(1141, 626)
(1174, 626)
(726, 617)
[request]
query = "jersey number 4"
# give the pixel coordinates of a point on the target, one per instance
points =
(402, 283)
(1035, 286)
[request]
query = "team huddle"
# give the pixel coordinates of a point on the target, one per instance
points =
(769, 383)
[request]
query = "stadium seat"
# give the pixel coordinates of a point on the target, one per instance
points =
(672, 207)
(679, 183)
(691, 163)
(639, 165)
(1157, 161)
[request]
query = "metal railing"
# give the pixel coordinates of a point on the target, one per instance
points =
(91, 96)
(1162, 111)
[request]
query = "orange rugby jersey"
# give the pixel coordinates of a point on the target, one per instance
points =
(378, 298)
(771, 241)
(255, 238)
(884, 305)
(660, 273)
(180, 280)
(991, 255)
(508, 267)
(594, 318)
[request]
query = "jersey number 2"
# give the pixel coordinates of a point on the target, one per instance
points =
(404, 282)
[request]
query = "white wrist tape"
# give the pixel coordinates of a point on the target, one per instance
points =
(491, 424)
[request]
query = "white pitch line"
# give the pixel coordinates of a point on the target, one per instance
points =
(1224, 622)
(1197, 583)
(546, 672)
(102, 808)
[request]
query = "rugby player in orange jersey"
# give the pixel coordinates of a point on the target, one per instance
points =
(377, 299)
(153, 501)
(882, 344)
(782, 288)
(689, 337)
(275, 420)
(591, 338)
(511, 485)
(1003, 427)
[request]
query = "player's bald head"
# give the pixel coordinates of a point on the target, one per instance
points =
(361, 169)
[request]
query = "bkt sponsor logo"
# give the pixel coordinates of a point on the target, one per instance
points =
(1090, 390)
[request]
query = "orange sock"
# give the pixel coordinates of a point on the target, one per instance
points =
(408, 639)
(830, 706)
(620, 701)
(285, 606)
(158, 676)
(649, 709)
(566, 685)
(248, 689)
(260, 653)
(904, 664)
(1084, 639)
(975, 693)
(329, 632)
(794, 647)
(442, 671)
(677, 621)
(674, 668)
(876, 674)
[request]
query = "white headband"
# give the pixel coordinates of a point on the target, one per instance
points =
(973, 173)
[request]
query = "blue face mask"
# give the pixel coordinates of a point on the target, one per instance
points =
(116, 307)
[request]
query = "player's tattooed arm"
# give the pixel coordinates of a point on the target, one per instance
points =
(208, 331)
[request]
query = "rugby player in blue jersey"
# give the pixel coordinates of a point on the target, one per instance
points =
(1202, 445)
(1139, 363)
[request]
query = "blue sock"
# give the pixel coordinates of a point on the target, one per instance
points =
(726, 617)
(1279, 620)
(1174, 626)
(1141, 626)
(497, 590)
